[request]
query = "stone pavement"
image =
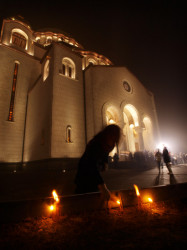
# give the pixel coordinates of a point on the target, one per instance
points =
(125, 179)
(27, 184)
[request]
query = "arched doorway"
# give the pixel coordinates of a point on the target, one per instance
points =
(148, 134)
(130, 130)
(112, 118)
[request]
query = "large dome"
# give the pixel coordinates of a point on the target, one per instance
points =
(54, 30)
(46, 35)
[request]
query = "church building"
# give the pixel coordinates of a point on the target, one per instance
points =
(55, 96)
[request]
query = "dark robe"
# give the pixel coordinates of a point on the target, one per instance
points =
(94, 158)
(166, 156)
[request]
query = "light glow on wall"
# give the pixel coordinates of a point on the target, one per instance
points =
(111, 121)
(46, 70)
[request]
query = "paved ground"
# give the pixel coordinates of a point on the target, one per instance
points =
(26, 184)
(125, 178)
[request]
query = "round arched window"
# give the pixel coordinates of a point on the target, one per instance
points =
(68, 67)
(127, 86)
(19, 38)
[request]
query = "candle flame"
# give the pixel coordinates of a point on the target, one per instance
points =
(51, 208)
(118, 202)
(137, 190)
(150, 200)
(55, 196)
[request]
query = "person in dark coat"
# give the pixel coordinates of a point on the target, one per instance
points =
(158, 158)
(167, 159)
(88, 178)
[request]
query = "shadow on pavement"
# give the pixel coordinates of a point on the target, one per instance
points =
(159, 180)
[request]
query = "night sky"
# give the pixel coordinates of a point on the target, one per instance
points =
(147, 37)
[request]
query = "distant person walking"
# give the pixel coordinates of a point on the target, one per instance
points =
(158, 158)
(88, 178)
(167, 160)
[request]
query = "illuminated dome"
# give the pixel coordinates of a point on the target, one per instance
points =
(47, 35)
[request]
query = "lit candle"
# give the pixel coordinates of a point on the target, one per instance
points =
(118, 202)
(51, 208)
(138, 196)
(150, 200)
(54, 208)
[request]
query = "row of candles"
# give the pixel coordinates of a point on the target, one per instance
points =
(149, 199)
(54, 207)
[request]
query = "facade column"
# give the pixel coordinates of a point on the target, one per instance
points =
(139, 130)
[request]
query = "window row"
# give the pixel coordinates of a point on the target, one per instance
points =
(68, 68)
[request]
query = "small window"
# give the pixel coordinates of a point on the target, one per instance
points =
(11, 108)
(46, 70)
(127, 86)
(92, 61)
(49, 40)
(19, 40)
(68, 134)
(63, 69)
(70, 71)
(68, 67)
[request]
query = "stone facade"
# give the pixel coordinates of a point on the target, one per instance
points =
(55, 96)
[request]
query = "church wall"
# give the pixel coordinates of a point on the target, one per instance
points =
(68, 107)
(38, 123)
(90, 105)
(12, 132)
(104, 84)
(39, 52)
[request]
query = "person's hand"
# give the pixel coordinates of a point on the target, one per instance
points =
(104, 191)
(114, 201)
(113, 198)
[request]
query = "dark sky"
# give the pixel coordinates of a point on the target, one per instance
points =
(148, 37)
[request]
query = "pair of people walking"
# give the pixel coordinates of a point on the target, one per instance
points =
(166, 158)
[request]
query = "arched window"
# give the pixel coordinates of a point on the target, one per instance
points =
(92, 61)
(68, 67)
(46, 70)
(68, 134)
(133, 113)
(112, 118)
(19, 38)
